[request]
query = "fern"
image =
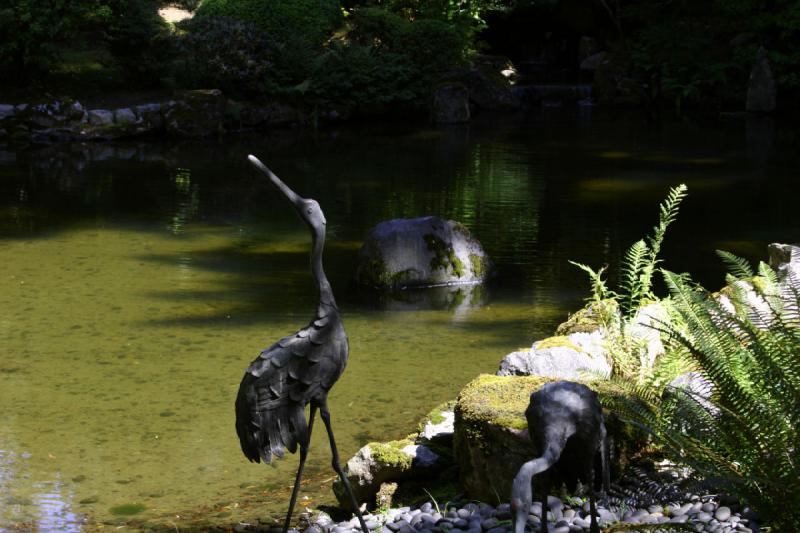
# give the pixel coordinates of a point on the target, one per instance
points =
(599, 289)
(635, 289)
(640, 261)
(631, 284)
(668, 212)
(747, 434)
(738, 267)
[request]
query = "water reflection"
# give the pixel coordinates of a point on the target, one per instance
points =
(37, 506)
(140, 279)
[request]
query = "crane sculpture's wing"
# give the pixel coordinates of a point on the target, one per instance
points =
(270, 407)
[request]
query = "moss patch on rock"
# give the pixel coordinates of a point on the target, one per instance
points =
(559, 341)
(391, 453)
(373, 272)
(499, 400)
(444, 257)
(435, 416)
(479, 265)
(590, 318)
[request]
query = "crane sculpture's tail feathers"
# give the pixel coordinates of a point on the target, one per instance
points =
(270, 432)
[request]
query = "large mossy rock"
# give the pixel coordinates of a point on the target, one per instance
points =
(421, 252)
(381, 471)
(565, 357)
(491, 433)
(384, 462)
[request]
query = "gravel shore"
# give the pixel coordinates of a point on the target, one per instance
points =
(662, 500)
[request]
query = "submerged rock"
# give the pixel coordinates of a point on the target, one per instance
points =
(421, 252)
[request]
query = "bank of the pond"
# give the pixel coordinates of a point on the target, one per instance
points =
(659, 498)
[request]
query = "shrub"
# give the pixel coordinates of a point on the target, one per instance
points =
(388, 59)
(139, 39)
(28, 29)
(224, 53)
(309, 21)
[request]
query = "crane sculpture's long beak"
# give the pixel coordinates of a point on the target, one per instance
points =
(290, 195)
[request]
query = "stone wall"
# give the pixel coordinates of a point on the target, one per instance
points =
(189, 114)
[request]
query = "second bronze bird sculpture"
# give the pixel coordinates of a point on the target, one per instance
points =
(297, 370)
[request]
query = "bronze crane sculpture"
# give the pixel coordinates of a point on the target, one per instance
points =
(565, 419)
(297, 370)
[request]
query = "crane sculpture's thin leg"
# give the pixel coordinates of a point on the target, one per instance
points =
(303, 454)
(545, 507)
(326, 418)
(593, 527)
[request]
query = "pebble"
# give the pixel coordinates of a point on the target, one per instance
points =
(722, 513)
(642, 498)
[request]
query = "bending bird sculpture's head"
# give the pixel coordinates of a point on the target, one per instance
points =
(308, 209)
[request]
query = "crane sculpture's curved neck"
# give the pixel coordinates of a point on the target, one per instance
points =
(325, 293)
(312, 215)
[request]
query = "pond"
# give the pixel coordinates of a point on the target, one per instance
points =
(140, 279)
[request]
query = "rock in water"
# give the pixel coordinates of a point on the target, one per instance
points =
(421, 252)
(761, 86)
(451, 104)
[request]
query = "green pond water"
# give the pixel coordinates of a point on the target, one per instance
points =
(137, 281)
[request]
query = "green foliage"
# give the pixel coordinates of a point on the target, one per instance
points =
(286, 21)
(138, 38)
(466, 17)
(628, 353)
(599, 289)
(387, 59)
(746, 435)
(32, 32)
(188, 5)
(640, 261)
(227, 54)
(29, 29)
(686, 51)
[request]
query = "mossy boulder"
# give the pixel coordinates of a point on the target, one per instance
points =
(379, 469)
(491, 438)
(594, 316)
(563, 356)
(421, 252)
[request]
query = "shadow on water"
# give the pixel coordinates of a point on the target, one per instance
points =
(140, 279)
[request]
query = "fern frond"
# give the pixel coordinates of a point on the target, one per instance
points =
(600, 290)
(631, 284)
(737, 266)
(668, 212)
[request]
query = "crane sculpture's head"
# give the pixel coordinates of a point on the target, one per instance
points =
(308, 209)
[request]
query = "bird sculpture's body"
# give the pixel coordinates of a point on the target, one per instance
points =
(298, 370)
(563, 418)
